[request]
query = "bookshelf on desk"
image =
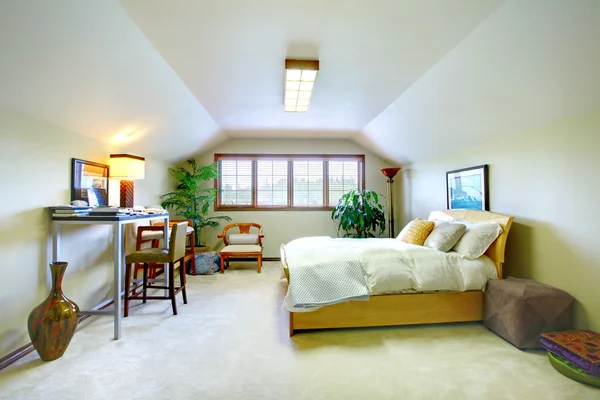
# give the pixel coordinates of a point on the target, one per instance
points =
(118, 223)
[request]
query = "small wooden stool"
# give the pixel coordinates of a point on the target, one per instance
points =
(241, 251)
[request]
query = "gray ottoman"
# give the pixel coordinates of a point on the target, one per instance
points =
(518, 310)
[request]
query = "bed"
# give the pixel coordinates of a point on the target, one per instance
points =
(409, 308)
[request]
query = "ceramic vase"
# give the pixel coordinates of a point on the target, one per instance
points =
(53, 322)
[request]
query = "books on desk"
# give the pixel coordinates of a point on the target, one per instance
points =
(75, 211)
(108, 211)
(69, 211)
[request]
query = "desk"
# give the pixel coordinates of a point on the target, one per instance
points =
(117, 222)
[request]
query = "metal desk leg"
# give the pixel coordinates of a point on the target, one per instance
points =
(118, 260)
(55, 241)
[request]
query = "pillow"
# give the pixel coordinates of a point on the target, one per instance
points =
(242, 238)
(477, 238)
(444, 236)
(403, 231)
(417, 232)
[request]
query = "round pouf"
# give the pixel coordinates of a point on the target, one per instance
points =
(571, 371)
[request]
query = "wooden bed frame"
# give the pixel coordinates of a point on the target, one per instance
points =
(410, 309)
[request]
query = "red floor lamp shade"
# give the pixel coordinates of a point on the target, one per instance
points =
(390, 173)
(127, 168)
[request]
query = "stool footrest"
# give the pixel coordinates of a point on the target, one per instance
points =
(138, 295)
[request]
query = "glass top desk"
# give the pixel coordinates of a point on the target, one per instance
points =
(118, 223)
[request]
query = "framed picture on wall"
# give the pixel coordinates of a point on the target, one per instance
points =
(467, 188)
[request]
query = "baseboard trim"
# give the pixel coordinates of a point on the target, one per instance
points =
(16, 355)
(22, 351)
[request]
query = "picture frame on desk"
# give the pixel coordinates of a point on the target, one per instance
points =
(89, 182)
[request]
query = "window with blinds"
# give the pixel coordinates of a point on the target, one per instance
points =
(308, 183)
(343, 176)
(286, 182)
(271, 183)
(236, 182)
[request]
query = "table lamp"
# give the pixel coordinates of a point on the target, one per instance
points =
(127, 167)
(390, 173)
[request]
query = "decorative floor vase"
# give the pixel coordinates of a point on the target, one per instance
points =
(52, 324)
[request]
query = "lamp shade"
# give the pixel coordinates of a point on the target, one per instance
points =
(127, 166)
(390, 172)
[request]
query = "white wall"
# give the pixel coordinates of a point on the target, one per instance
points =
(548, 179)
(283, 226)
(36, 173)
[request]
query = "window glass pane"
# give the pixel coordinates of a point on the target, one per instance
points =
(343, 176)
(236, 182)
(272, 186)
(308, 183)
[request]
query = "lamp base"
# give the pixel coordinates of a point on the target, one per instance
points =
(126, 193)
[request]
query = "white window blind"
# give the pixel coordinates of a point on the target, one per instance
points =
(236, 182)
(272, 183)
(308, 183)
(343, 176)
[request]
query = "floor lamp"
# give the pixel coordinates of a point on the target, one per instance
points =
(390, 173)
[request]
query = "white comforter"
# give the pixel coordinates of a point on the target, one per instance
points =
(392, 266)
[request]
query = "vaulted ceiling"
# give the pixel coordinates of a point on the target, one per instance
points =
(408, 79)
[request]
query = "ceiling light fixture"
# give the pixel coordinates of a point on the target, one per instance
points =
(300, 78)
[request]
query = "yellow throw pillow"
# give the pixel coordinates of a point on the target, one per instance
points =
(417, 232)
(405, 229)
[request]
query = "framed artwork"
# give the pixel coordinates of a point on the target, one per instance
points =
(467, 188)
(89, 182)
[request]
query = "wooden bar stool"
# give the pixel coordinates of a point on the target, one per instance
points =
(154, 233)
(175, 254)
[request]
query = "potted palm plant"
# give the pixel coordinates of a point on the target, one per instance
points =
(359, 214)
(190, 200)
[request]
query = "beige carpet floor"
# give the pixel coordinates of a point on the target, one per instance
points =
(231, 342)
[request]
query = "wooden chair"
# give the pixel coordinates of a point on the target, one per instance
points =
(154, 234)
(175, 254)
(243, 244)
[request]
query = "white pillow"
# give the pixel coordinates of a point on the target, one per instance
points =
(444, 236)
(477, 238)
(242, 238)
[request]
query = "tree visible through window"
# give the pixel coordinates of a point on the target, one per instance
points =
(286, 181)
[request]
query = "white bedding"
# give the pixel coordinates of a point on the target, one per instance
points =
(392, 266)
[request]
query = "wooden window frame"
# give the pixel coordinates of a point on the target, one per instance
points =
(290, 158)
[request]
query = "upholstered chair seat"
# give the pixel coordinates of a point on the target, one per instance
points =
(242, 248)
(150, 255)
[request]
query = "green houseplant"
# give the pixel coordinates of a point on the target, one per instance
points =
(359, 214)
(190, 200)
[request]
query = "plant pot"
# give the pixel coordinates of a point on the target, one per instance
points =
(52, 323)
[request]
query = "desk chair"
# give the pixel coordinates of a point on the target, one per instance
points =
(243, 244)
(175, 254)
(154, 234)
